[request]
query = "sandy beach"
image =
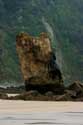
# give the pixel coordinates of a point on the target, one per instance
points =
(39, 106)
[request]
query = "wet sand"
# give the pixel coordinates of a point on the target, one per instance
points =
(40, 113)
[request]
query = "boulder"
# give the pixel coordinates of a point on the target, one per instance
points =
(38, 62)
(64, 97)
(72, 93)
(77, 88)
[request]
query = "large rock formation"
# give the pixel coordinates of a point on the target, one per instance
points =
(38, 62)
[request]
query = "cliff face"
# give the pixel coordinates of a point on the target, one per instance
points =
(38, 62)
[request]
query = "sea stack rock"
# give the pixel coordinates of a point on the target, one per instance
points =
(38, 62)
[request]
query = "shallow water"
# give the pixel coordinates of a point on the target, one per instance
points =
(44, 118)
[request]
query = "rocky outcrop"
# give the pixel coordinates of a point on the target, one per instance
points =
(38, 62)
(69, 94)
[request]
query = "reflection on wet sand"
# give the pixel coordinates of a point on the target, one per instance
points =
(44, 118)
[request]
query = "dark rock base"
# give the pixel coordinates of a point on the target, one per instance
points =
(57, 89)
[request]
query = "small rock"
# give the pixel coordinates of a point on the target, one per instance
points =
(30, 95)
(79, 99)
(65, 97)
(49, 94)
(32, 92)
(3, 96)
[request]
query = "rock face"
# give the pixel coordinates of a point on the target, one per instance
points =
(38, 62)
